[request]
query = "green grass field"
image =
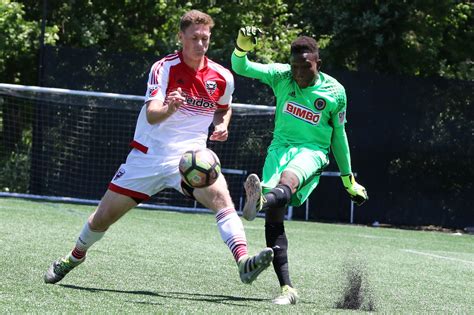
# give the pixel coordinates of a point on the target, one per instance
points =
(168, 262)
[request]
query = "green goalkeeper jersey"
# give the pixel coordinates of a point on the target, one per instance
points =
(312, 117)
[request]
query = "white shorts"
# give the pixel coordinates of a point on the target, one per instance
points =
(144, 175)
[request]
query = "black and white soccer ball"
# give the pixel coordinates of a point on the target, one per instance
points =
(199, 168)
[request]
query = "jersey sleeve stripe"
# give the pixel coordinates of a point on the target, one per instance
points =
(159, 76)
(140, 147)
(155, 71)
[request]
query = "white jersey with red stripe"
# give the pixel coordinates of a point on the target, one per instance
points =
(205, 90)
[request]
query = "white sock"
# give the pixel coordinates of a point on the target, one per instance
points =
(85, 240)
(232, 232)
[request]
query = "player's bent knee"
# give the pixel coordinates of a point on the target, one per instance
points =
(290, 179)
(188, 191)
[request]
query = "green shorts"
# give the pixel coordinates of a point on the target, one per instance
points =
(307, 164)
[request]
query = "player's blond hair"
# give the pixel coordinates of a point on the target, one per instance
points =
(195, 17)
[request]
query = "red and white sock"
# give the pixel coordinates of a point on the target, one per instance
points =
(85, 240)
(232, 232)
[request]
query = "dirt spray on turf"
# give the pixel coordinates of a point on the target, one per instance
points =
(356, 292)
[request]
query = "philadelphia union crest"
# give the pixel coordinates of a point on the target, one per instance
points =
(320, 103)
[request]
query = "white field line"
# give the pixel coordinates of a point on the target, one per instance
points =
(375, 237)
(436, 256)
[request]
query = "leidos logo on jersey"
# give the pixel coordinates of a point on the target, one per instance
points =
(303, 113)
(199, 102)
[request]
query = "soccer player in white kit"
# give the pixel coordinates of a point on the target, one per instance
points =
(186, 93)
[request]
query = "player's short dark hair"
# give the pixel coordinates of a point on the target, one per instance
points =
(195, 17)
(304, 44)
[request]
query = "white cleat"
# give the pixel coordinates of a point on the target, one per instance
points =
(251, 267)
(60, 268)
(254, 200)
(288, 296)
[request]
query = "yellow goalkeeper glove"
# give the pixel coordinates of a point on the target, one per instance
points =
(246, 40)
(357, 192)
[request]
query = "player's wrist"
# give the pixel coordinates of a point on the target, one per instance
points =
(240, 49)
(168, 112)
(239, 52)
(347, 180)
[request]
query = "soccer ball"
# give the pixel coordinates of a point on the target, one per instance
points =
(199, 168)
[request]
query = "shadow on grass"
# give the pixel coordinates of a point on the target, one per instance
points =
(211, 298)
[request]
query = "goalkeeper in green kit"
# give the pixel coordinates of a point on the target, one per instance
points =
(309, 122)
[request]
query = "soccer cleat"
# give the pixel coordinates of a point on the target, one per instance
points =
(60, 268)
(254, 201)
(251, 267)
(288, 296)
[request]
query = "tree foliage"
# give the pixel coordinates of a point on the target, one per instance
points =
(424, 37)
(109, 45)
(19, 43)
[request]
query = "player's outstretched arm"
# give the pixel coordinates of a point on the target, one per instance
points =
(247, 40)
(340, 149)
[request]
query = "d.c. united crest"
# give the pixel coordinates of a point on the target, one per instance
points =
(211, 86)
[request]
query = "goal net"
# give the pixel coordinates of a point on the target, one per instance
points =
(66, 145)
